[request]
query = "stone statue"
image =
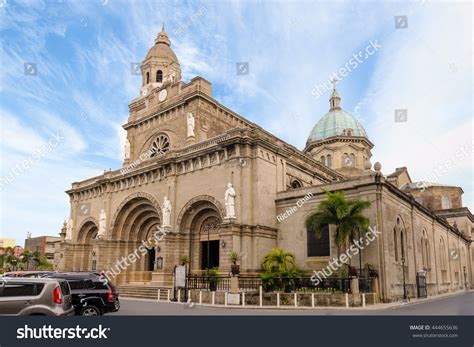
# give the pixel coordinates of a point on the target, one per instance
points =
(69, 229)
(229, 198)
(102, 224)
(171, 77)
(190, 121)
(166, 210)
(127, 149)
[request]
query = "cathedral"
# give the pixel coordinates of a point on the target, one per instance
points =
(211, 182)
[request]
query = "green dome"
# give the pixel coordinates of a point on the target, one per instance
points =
(333, 124)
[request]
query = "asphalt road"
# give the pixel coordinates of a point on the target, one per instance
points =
(460, 304)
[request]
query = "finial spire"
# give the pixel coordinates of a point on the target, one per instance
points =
(162, 36)
(335, 100)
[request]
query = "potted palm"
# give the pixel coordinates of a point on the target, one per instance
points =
(184, 260)
(234, 258)
(213, 277)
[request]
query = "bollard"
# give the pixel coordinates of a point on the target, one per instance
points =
(243, 299)
(278, 299)
(159, 294)
(213, 298)
(296, 300)
(225, 298)
(347, 300)
(312, 300)
(363, 299)
(169, 295)
(261, 298)
(179, 295)
(200, 297)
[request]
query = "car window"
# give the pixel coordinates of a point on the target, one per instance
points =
(81, 284)
(64, 287)
(100, 285)
(22, 289)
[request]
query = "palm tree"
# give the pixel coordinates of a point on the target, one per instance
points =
(26, 257)
(278, 261)
(344, 214)
(281, 270)
(36, 256)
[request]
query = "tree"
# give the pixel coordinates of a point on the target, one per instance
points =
(26, 257)
(278, 261)
(345, 215)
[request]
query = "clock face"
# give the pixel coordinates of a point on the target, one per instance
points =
(163, 94)
(144, 91)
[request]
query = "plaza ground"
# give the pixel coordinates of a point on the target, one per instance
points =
(459, 304)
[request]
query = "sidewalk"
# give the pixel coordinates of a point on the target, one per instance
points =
(382, 306)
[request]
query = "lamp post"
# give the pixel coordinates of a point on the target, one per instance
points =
(465, 277)
(404, 284)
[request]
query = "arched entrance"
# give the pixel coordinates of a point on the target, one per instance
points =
(87, 233)
(136, 221)
(200, 221)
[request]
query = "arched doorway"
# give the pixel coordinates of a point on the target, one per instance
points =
(135, 222)
(200, 221)
(209, 242)
(87, 233)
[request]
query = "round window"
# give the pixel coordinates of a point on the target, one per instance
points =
(160, 145)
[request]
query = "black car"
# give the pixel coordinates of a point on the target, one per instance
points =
(92, 294)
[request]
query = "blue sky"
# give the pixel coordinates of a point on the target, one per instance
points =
(82, 51)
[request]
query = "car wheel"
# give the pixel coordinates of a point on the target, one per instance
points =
(90, 311)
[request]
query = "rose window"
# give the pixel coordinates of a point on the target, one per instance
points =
(160, 145)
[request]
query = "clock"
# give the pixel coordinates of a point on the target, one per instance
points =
(145, 91)
(162, 95)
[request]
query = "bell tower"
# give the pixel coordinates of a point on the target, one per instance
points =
(161, 65)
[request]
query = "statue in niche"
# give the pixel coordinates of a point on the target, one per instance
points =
(166, 211)
(69, 228)
(190, 123)
(127, 149)
(102, 224)
(229, 198)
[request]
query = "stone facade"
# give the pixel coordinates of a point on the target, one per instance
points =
(183, 145)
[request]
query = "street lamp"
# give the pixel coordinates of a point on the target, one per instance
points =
(465, 277)
(14, 262)
(404, 284)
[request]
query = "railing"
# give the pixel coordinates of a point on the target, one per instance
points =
(301, 284)
(249, 283)
(203, 282)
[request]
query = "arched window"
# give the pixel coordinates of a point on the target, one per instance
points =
(352, 159)
(318, 246)
(159, 76)
(323, 160)
(295, 184)
(445, 203)
(147, 77)
(345, 159)
(329, 160)
(395, 243)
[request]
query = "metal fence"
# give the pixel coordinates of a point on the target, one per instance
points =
(300, 284)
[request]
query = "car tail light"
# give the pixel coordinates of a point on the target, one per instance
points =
(110, 297)
(57, 299)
